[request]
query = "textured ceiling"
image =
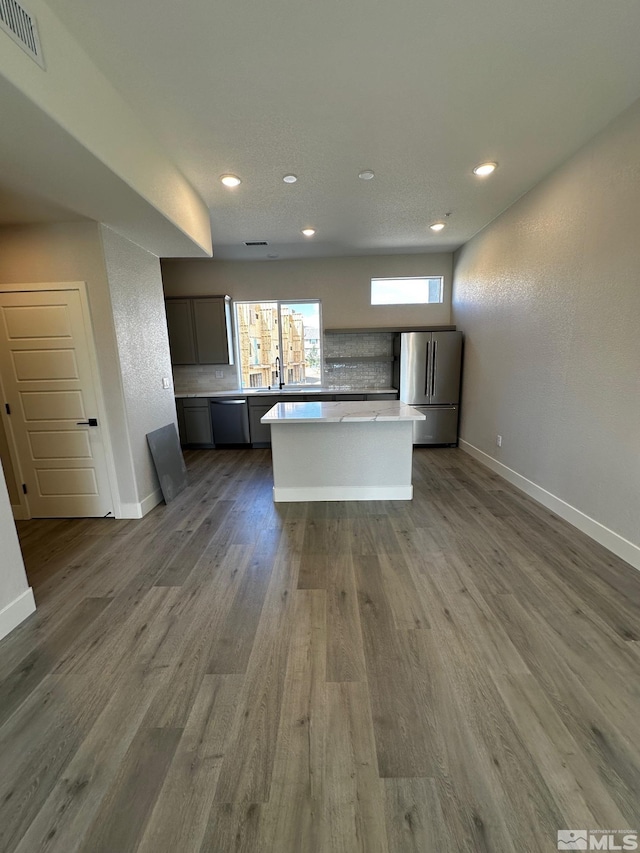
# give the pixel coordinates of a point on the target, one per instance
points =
(416, 90)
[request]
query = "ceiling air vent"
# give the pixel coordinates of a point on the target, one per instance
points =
(248, 242)
(21, 27)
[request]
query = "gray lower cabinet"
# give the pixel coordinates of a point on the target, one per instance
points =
(260, 433)
(259, 406)
(180, 414)
(194, 422)
(382, 396)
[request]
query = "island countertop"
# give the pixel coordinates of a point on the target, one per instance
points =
(345, 412)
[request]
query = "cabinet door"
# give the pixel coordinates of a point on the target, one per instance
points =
(382, 396)
(197, 425)
(260, 433)
(212, 330)
(180, 327)
(181, 428)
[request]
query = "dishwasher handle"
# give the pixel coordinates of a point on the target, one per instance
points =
(227, 402)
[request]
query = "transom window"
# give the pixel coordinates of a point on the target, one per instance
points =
(289, 331)
(406, 291)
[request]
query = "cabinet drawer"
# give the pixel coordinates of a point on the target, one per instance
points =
(195, 402)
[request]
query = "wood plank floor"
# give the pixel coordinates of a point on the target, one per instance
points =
(455, 673)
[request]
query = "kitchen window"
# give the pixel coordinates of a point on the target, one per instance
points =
(290, 331)
(415, 290)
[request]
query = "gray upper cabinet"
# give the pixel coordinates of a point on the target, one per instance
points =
(182, 340)
(200, 330)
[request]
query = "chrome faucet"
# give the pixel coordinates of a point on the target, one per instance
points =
(279, 372)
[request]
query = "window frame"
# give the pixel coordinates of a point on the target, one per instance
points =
(414, 278)
(278, 303)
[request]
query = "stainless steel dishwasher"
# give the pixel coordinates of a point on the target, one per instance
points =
(230, 421)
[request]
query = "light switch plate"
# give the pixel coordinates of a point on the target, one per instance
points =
(166, 382)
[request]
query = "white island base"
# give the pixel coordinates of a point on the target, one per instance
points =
(342, 451)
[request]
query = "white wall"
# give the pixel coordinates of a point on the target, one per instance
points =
(16, 598)
(343, 285)
(548, 297)
(5, 459)
(135, 286)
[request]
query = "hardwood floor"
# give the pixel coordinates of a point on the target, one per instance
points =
(455, 673)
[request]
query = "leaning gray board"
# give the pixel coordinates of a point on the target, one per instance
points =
(167, 457)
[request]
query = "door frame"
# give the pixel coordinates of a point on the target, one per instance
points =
(22, 511)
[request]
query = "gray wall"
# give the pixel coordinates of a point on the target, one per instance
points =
(73, 252)
(548, 297)
(127, 313)
(135, 287)
(343, 285)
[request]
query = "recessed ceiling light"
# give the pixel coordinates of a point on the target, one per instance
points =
(308, 232)
(366, 175)
(230, 180)
(437, 226)
(290, 179)
(485, 169)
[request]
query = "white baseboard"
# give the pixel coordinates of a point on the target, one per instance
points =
(150, 501)
(16, 612)
(615, 543)
(139, 510)
(291, 494)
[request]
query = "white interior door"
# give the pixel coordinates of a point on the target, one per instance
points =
(49, 390)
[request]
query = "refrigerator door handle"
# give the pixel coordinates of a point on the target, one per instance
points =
(434, 368)
(426, 383)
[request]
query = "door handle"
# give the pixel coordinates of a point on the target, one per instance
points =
(426, 359)
(434, 368)
(90, 422)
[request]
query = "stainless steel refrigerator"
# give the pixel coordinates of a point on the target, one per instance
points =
(427, 372)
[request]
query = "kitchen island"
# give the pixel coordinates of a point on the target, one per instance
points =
(351, 451)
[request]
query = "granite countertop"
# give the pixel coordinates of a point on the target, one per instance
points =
(274, 392)
(352, 411)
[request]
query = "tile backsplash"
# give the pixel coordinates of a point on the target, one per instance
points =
(193, 378)
(351, 373)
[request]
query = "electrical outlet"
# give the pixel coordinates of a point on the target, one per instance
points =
(166, 382)
(499, 440)
(219, 374)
